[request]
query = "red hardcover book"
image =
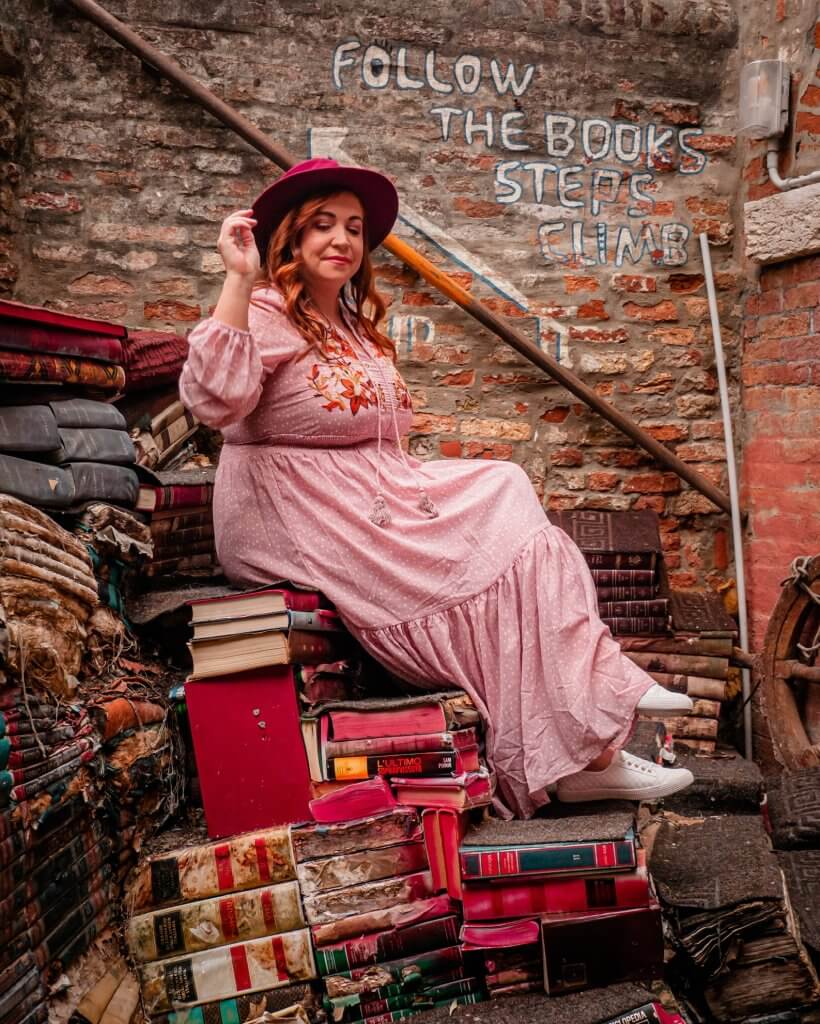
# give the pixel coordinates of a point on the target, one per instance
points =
(443, 831)
(250, 758)
(54, 318)
(56, 341)
(417, 718)
(495, 900)
(399, 915)
(624, 577)
(358, 800)
(589, 950)
(264, 601)
(387, 945)
(456, 739)
(473, 789)
(500, 936)
(429, 763)
(153, 497)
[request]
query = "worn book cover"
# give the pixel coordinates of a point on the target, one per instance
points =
(611, 539)
(192, 927)
(700, 613)
(408, 972)
(415, 743)
(503, 861)
(362, 1006)
(241, 1009)
(625, 578)
(398, 916)
(489, 901)
(227, 971)
(311, 842)
(319, 876)
(197, 872)
(325, 907)
(650, 625)
(590, 950)
(356, 1000)
(387, 945)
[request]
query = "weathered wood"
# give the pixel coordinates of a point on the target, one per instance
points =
(798, 670)
(681, 664)
(694, 728)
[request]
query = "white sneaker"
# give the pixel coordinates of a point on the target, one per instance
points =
(659, 701)
(627, 778)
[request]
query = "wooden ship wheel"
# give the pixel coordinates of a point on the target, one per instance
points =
(788, 672)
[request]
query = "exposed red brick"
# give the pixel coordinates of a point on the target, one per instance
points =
(58, 202)
(595, 334)
(755, 170)
(575, 283)
(395, 275)
(673, 336)
(602, 481)
(667, 431)
(802, 296)
(487, 450)
(652, 483)
(427, 423)
(712, 143)
(683, 580)
(784, 326)
(720, 550)
(454, 355)
(167, 310)
(719, 232)
(566, 457)
(685, 283)
(775, 373)
(711, 207)
(624, 457)
(811, 97)
(633, 283)
(100, 284)
(763, 303)
(556, 415)
(653, 502)
(593, 310)
(478, 207)
(665, 311)
(462, 379)
(505, 307)
(807, 122)
(702, 452)
(761, 191)
(627, 110)
(677, 113)
(449, 449)
(411, 298)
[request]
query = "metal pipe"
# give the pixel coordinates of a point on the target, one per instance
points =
(432, 274)
(785, 184)
(737, 539)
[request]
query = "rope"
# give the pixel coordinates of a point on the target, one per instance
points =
(800, 579)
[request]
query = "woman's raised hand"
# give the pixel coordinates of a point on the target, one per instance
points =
(237, 246)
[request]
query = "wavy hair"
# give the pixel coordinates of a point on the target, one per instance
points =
(283, 269)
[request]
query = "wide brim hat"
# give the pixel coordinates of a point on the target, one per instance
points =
(376, 193)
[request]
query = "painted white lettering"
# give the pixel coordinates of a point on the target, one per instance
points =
(567, 187)
(403, 79)
(627, 142)
(468, 73)
(430, 74)
(601, 128)
(539, 168)
(508, 130)
(637, 182)
(633, 248)
(577, 235)
(472, 127)
(673, 241)
(502, 180)
(342, 59)
(558, 129)
(658, 140)
(696, 160)
(506, 80)
(445, 114)
(606, 184)
(376, 67)
(544, 233)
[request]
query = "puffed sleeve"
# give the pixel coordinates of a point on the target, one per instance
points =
(222, 378)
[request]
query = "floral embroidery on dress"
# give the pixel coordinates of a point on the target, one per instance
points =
(343, 382)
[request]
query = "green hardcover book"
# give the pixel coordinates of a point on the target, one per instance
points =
(387, 945)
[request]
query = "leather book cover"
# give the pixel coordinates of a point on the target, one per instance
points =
(96, 444)
(41, 485)
(700, 613)
(610, 539)
(325, 907)
(625, 578)
(22, 312)
(84, 413)
(398, 916)
(240, 1009)
(31, 338)
(28, 428)
(98, 481)
(591, 950)
(314, 841)
(261, 857)
(227, 971)
(202, 924)
(387, 945)
(408, 972)
(317, 876)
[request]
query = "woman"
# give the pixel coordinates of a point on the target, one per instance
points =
(448, 572)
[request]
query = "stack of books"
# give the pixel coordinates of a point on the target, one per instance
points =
(242, 703)
(623, 552)
(179, 510)
(214, 922)
(565, 902)
(428, 747)
(694, 659)
(159, 425)
(386, 945)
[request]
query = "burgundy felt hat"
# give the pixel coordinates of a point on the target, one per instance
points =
(376, 193)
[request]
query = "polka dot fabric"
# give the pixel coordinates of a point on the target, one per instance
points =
(487, 595)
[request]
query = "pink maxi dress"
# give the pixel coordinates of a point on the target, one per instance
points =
(467, 586)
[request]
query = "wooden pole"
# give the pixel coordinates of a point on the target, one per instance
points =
(433, 275)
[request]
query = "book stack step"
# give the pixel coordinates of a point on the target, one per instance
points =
(386, 945)
(429, 748)
(694, 659)
(542, 899)
(159, 425)
(624, 553)
(217, 921)
(179, 510)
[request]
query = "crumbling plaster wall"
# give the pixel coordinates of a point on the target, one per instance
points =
(566, 191)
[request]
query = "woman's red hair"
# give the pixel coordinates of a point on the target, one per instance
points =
(359, 297)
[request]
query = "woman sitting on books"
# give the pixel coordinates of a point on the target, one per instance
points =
(447, 571)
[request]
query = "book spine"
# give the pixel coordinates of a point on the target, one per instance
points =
(193, 927)
(556, 896)
(694, 686)
(327, 907)
(408, 972)
(175, 524)
(390, 945)
(637, 625)
(421, 743)
(380, 920)
(166, 550)
(179, 538)
(681, 664)
(312, 647)
(226, 971)
(592, 857)
(239, 1009)
(623, 577)
(182, 495)
(247, 861)
(632, 560)
(400, 825)
(656, 608)
(694, 728)
(393, 991)
(319, 620)
(435, 763)
(688, 646)
(626, 593)
(364, 866)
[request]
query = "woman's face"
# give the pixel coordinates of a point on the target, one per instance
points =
(332, 243)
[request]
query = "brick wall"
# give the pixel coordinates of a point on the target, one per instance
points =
(568, 196)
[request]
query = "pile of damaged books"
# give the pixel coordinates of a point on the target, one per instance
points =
(623, 551)
(560, 902)
(220, 927)
(694, 659)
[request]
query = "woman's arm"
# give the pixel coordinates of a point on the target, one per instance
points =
(237, 247)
